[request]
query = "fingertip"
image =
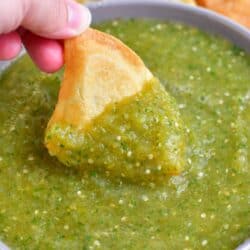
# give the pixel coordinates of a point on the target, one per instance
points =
(51, 59)
(10, 45)
(47, 54)
(79, 19)
(57, 19)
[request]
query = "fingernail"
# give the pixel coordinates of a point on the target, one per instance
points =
(79, 19)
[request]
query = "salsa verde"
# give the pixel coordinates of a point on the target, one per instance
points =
(46, 205)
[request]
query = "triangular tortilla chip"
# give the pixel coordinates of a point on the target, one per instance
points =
(112, 115)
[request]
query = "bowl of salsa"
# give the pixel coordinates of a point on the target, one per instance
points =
(203, 61)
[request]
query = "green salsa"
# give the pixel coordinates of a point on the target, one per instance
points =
(46, 205)
(141, 138)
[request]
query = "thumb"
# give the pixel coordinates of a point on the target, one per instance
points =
(57, 19)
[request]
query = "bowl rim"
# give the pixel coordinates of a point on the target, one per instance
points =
(196, 16)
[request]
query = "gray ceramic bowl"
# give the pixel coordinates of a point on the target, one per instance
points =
(160, 9)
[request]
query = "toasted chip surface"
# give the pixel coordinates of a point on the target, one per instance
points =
(99, 70)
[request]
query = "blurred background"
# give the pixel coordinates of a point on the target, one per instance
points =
(186, 1)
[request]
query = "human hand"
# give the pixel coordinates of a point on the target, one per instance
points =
(40, 25)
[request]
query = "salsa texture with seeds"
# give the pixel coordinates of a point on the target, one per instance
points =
(46, 205)
(141, 138)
